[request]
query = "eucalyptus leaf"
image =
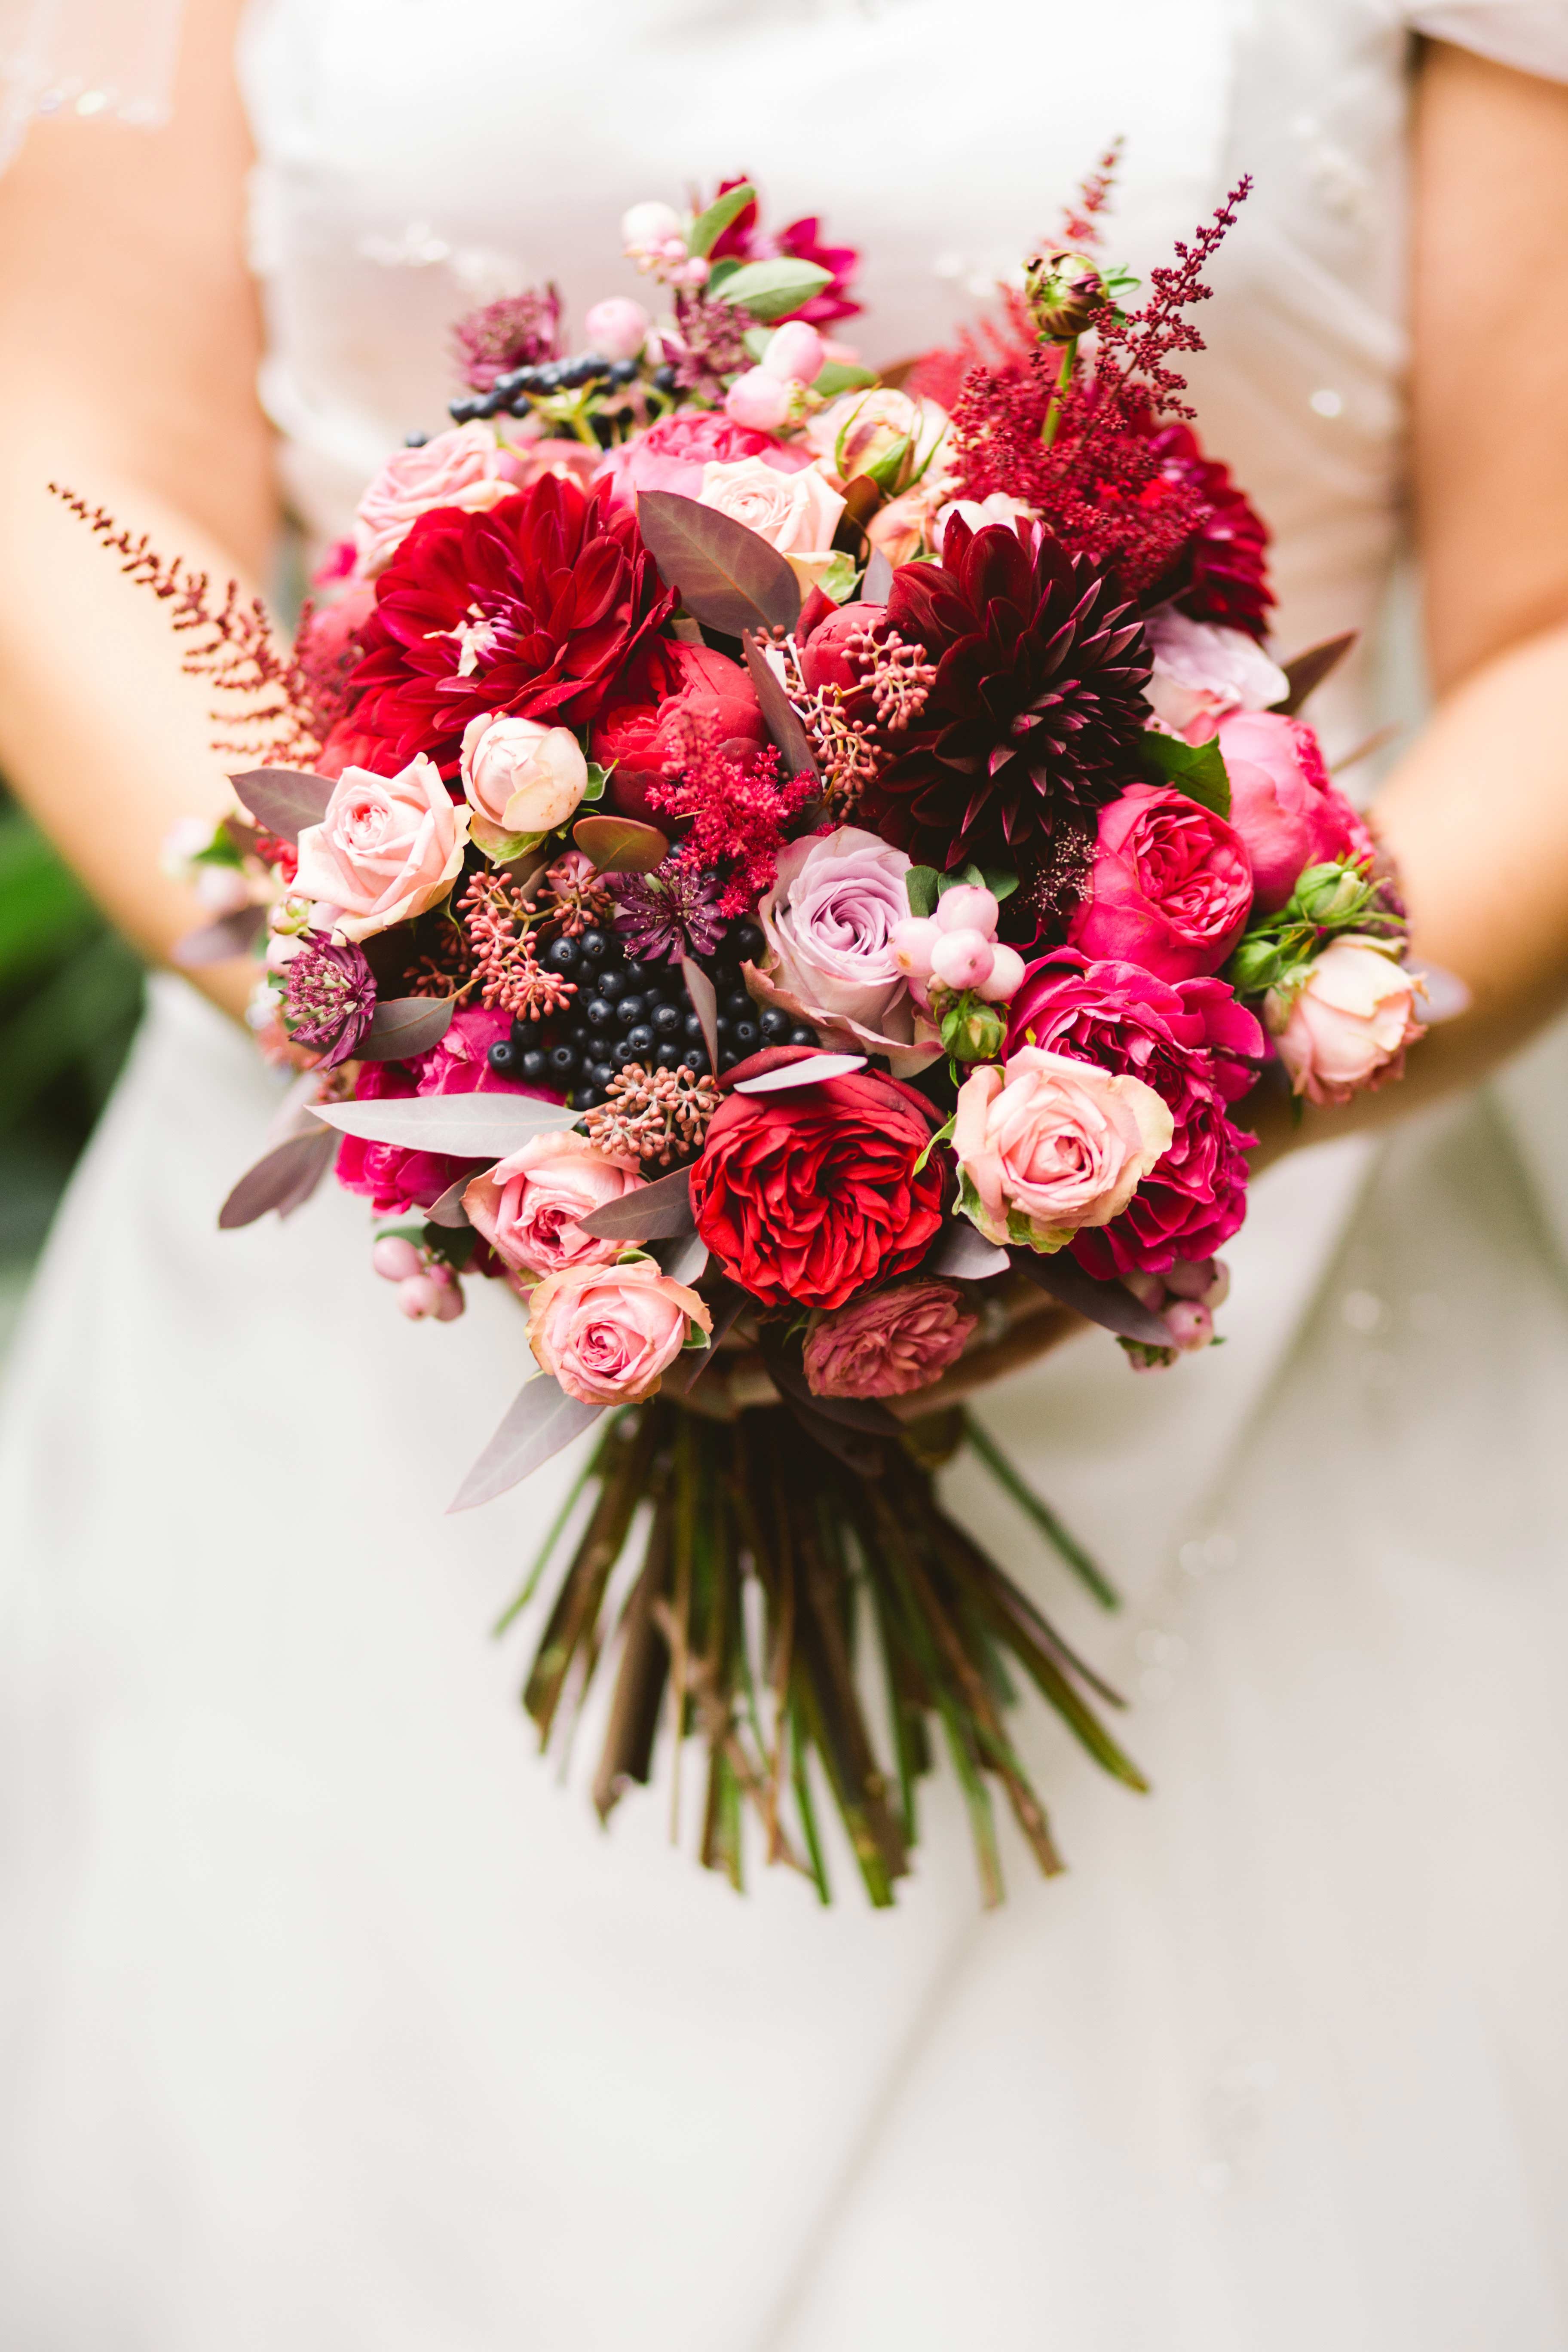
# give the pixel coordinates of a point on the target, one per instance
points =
(460, 1127)
(1109, 1304)
(965, 1254)
(878, 585)
(683, 1259)
(620, 845)
(541, 1420)
(705, 1004)
(811, 1070)
(1196, 768)
(449, 1210)
(709, 227)
(219, 943)
(657, 1212)
(405, 1026)
(281, 1180)
(284, 801)
(782, 719)
(1309, 670)
(842, 375)
(772, 290)
(728, 577)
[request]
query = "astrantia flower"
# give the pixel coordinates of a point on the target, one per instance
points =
(671, 912)
(531, 611)
(518, 331)
(1040, 671)
(329, 997)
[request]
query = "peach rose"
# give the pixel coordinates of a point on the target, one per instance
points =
(862, 429)
(387, 848)
(521, 780)
(529, 1206)
(607, 1334)
(797, 513)
(1049, 1145)
(1347, 1025)
(464, 467)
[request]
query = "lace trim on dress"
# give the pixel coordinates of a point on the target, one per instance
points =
(109, 57)
(1531, 35)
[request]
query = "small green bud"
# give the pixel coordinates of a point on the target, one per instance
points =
(1332, 894)
(1064, 294)
(972, 1030)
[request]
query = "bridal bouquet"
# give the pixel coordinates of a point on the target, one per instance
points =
(793, 872)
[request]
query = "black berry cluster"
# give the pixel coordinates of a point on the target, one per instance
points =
(625, 1010)
(512, 391)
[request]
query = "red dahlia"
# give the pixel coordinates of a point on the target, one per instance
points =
(1040, 670)
(533, 610)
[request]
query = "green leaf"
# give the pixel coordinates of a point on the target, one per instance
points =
(922, 887)
(717, 276)
(773, 289)
(837, 578)
(756, 340)
(839, 376)
(620, 845)
(998, 881)
(594, 790)
(887, 471)
(1195, 769)
(710, 226)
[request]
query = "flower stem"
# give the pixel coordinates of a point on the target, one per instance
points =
(1058, 397)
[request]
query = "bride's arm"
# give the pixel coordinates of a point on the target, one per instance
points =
(1477, 814)
(129, 340)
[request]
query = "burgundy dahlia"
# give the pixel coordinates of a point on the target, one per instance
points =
(531, 610)
(1221, 573)
(1037, 700)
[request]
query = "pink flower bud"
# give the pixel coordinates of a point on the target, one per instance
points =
(968, 907)
(649, 223)
(616, 328)
(419, 1297)
(759, 400)
(1190, 1278)
(1006, 974)
(913, 942)
(396, 1259)
(794, 354)
(1190, 1324)
(961, 958)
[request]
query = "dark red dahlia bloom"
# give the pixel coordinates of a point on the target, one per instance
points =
(534, 609)
(813, 1195)
(1221, 573)
(1198, 1048)
(1037, 700)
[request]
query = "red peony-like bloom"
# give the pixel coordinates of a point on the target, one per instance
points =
(1199, 1049)
(533, 610)
(1037, 698)
(811, 1196)
(681, 696)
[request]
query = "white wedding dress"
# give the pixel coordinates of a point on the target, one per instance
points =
(329, 2019)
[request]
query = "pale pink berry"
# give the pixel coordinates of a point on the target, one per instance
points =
(1156, 1359)
(395, 1259)
(1218, 1290)
(1190, 1324)
(419, 1297)
(1147, 1288)
(913, 942)
(759, 400)
(452, 1303)
(794, 353)
(651, 224)
(961, 958)
(969, 907)
(616, 328)
(1006, 974)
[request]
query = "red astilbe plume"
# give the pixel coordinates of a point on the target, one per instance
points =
(1081, 220)
(267, 705)
(738, 813)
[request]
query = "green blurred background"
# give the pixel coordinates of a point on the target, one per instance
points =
(71, 991)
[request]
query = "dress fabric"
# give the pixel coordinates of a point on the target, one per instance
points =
(327, 2018)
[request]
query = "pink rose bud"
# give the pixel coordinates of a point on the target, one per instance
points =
(616, 328)
(651, 225)
(968, 907)
(396, 1259)
(1007, 975)
(759, 400)
(961, 958)
(1190, 1278)
(419, 1297)
(795, 353)
(913, 942)
(1189, 1323)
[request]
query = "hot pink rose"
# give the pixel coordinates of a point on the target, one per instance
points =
(1049, 1145)
(672, 454)
(607, 1334)
(464, 467)
(1282, 803)
(681, 689)
(889, 1342)
(529, 1206)
(387, 848)
(1347, 1026)
(393, 1177)
(1170, 886)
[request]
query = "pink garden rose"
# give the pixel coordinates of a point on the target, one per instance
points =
(521, 780)
(1283, 805)
(889, 1342)
(608, 1333)
(1170, 886)
(571, 461)
(673, 453)
(1347, 1026)
(529, 1206)
(1049, 1145)
(828, 921)
(796, 513)
(464, 467)
(387, 848)
(1201, 673)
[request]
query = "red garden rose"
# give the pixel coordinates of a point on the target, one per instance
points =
(684, 692)
(811, 1195)
(1170, 886)
(533, 610)
(1200, 1050)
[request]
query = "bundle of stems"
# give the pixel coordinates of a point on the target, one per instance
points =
(845, 1545)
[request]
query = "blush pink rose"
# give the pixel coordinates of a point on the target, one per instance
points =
(571, 461)
(1346, 1027)
(1283, 805)
(672, 454)
(520, 780)
(529, 1206)
(387, 848)
(1170, 886)
(610, 1333)
(1201, 673)
(465, 467)
(796, 513)
(888, 1343)
(1049, 1145)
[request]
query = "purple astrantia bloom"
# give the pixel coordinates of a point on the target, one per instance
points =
(329, 997)
(671, 912)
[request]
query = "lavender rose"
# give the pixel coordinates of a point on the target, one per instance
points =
(829, 921)
(888, 1343)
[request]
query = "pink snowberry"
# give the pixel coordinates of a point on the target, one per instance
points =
(795, 353)
(420, 1296)
(969, 907)
(759, 400)
(396, 1259)
(961, 958)
(1007, 975)
(616, 328)
(1189, 1322)
(913, 942)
